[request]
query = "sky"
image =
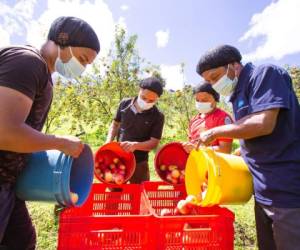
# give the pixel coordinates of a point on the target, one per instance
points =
(170, 32)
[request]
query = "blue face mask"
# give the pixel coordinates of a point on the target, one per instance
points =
(71, 69)
(225, 86)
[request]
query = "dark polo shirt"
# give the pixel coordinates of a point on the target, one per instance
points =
(138, 126)
(23, 69)
(274, 159)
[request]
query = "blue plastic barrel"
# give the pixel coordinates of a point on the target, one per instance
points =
(51, 175)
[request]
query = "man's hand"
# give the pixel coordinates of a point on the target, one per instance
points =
(71, 145)
(129, 146)
(206, 137)
(188, 147)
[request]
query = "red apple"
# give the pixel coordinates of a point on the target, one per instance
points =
(122, 167)
(181, 179)
(112, 166)
(116, 160)
(175, 173)
(74, 197)
(165, 212)
(191, 199)
(122, 172)
(183, 207)
(174, 181)
(119, 179)
(163, 167)
(108, 177)
(169, 177)
(98, 171)
(172, 167)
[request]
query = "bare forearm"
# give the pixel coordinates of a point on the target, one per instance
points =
(146, 145)
(113, 131)
(24, 139)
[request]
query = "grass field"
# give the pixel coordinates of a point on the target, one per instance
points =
(47, 226)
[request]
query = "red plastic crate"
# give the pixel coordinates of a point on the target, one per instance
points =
(210, 229)
(114, 218)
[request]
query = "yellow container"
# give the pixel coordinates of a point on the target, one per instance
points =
(229, 179)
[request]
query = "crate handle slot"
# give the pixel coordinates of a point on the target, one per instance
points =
(165, 187)
(113, 190)
(197, 229)
(117, 230)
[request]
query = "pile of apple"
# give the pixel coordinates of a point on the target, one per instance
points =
(111, 171)
(184, 207)
(172, 174)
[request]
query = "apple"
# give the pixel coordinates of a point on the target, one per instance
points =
(100, 160)
(165, 212)
(74, 197)
(108, 177)
(181, 179)
(172, 167)
(96, 164)
(116, 160)
(192, 199)
(122, 172)
(119, 179)
(175, 173)
(112, 166)
(174, 180)
(169, 177)
(122, 167)
(98, 171)
(163, 167)
(183, 207)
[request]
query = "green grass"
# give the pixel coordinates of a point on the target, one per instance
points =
(46, 225)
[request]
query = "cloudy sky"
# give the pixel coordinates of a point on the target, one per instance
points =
(170, 32)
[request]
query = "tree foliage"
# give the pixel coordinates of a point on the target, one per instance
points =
(89, 103)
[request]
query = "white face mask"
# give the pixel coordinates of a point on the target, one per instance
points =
(225, 85)
(71, 69)
(204, 107)
(144, 105)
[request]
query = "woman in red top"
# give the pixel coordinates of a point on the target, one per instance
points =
(209, 116)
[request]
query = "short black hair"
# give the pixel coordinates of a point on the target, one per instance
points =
(206, 87)
(219, 56)
(72, 31)
(153, 84)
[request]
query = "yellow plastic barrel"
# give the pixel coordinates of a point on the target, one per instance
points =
(229, 179)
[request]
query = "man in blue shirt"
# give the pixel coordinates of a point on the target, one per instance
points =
(267, 122)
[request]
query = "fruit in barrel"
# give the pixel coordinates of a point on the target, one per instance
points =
(163, 167)
(174, 181)
(116, 160)
(119, 179)
(74, 197)
(122, 167)
(175, 173)
(172, 167)
(108, 177)
(112, 166)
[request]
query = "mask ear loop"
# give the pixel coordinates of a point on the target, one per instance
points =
(71, 52)
(58, 52)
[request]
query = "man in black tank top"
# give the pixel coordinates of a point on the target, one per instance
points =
(25, 99)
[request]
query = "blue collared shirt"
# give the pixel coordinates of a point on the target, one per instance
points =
(274, 159)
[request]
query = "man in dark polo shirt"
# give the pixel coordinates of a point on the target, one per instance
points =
(138, 125)
(267, 115)
(25, 99)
